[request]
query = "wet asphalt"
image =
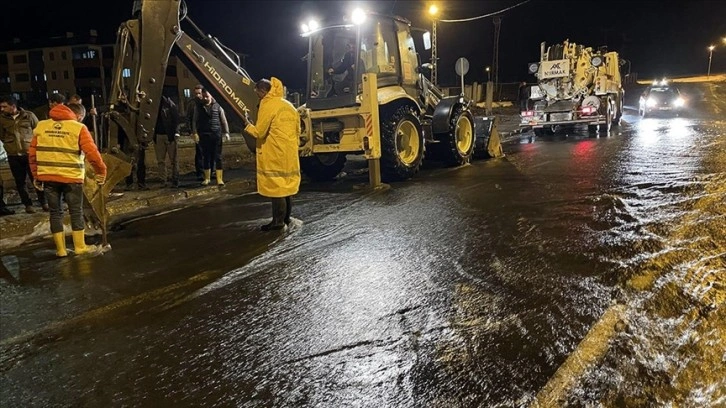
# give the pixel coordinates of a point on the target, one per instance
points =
(463, 287)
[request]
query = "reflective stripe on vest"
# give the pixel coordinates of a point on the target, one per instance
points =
(58, 151)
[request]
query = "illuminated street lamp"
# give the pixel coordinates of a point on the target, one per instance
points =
(489, 73)
(710, 56)
(433, 11)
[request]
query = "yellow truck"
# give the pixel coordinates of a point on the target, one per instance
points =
(576, 85)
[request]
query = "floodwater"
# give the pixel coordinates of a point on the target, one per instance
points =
(464, 287)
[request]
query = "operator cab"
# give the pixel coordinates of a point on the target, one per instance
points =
(339, 55)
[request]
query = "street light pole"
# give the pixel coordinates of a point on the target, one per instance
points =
(710, 56)
(433, 10)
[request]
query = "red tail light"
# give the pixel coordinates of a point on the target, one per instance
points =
(588, 110)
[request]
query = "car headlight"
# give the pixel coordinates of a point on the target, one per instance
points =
(679, 102)
(596, 61)
(651, 102)
(533, 67)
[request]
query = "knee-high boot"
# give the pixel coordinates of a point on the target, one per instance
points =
(278, 215)
(79, 243)
(60, 244)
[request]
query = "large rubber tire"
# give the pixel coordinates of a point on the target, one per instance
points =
(538, 132)
(605, 128)
(618, 111)
(402, 144)
(323, 166)
(457, 146)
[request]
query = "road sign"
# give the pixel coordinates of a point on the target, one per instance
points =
(462, 66)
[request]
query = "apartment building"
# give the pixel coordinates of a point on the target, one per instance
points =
(72, 64)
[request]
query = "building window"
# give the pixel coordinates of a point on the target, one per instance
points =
(126, 73)
(20, 59)
(187, 93)
(65, 74)
(63, 55)
(45, 77)
(53, 75)
(51, 56)
(22, 78)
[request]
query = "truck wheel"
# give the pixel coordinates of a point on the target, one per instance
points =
(618, 111)
(605, 127)
(323, 166)
(402, 145)
(539, 132)
(457, 145)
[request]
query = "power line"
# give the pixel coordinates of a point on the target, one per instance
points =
(463, 20)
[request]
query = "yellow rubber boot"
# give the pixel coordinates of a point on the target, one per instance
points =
(207, 177)
(79, 243)
(60, 244)
(220, 181)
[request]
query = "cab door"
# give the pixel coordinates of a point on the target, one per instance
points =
(409, 58)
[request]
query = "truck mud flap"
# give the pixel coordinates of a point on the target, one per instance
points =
(487, 143)
(95, 203)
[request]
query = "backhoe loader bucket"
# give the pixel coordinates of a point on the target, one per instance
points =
(488, 143)
(117, 170)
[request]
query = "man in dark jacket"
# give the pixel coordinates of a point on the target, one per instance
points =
(191, 106)
(208, 126)
(166, 139)
(523, 96)
(16, 133)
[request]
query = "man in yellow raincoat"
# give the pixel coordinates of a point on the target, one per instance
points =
(277, 132)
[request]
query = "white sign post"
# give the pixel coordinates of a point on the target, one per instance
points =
(462, 67)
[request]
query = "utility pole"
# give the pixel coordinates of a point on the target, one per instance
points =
(710, 55)
(495, 63)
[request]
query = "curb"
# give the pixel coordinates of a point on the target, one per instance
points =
(16, 230)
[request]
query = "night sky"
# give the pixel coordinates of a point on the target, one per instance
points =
(658, 37)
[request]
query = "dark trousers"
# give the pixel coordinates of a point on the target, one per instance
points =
(212, 149)
(138, 166)
(163, 147)
(2, 196)
(523, 105)
(20, 168)
(198, 160)
(72, 194)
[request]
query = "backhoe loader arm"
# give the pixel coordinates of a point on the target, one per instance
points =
(143, 47)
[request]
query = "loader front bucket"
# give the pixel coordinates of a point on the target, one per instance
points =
(117, 170)
(487, 143)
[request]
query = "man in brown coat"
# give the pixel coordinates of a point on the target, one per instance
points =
(16, 133)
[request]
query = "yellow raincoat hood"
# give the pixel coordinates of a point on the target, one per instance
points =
(277, 132)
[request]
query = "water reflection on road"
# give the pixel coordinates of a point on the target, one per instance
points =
(463, 287)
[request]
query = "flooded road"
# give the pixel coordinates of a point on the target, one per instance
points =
(464, 287)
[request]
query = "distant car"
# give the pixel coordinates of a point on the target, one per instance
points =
(662, 98)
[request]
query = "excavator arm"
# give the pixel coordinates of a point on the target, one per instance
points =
(144, 44)
(143, 47)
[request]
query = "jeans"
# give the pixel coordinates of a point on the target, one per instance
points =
(72, 194)
(163, 148)
(138, 166)
(20, 168)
